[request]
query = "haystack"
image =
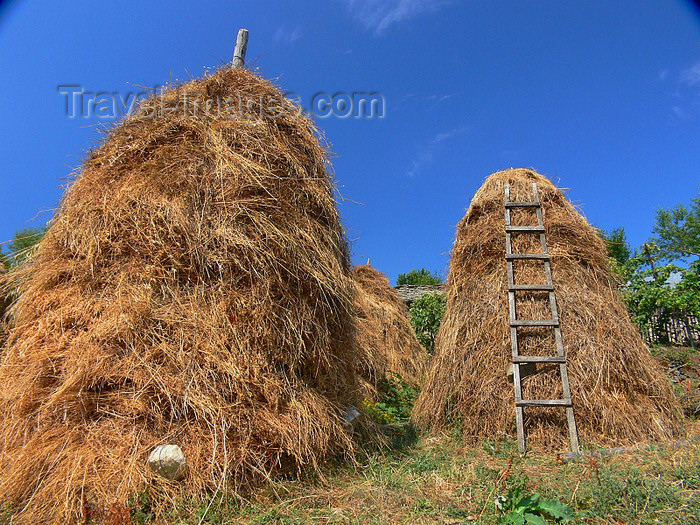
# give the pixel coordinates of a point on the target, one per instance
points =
(4, 301)
(193, 289)
(620, 394)
(384, 332)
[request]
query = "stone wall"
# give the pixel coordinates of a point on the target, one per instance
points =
(411, 292)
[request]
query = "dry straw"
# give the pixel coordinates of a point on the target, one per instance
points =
(194, 288)
(620, 393)
(384, 332)
(4, 302)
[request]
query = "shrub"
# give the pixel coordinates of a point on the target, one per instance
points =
(426, 315)
(395, 400)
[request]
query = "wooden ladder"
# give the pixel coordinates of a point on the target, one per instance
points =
(515, 323)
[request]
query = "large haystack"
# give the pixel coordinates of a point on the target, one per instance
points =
(4, 301)
(3, 297)
(620, 394)
(193, 289)
(384, 332)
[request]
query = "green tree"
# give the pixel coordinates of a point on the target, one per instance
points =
(22, 245)
(421, 277)
(651, 296)
(616, 243)
(426, 315)
(677, 231)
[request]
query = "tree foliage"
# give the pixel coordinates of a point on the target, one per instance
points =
(22, 245)
(426, 315)
(616, 243)
(419, 277)
(677, 231)
(655, 289)
(653, 297)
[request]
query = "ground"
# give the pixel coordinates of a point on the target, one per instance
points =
(440, 479)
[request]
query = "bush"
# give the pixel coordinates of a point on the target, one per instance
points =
(426, 315)
(395, 401)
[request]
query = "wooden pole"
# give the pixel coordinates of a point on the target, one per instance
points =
(241, 46)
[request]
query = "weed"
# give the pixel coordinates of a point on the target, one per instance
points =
(688, 476)
(631, 495)
(503, 447)
(519, 509)
(140, 506)
(395, 401)
(425, 463)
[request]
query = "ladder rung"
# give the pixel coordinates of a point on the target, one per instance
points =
(531, 287)
(543, 403)
(538, 359)
(534, 322)
(514, 204)
(514, 229)
(541, 256)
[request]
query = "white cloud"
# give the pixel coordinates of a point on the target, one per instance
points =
(691, 76)
(378, 15)
(427, 102)
(288, 36)
(685, 103)
(679, 112)
(427, 154)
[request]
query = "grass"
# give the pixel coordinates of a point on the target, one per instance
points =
(442, 480)
(683, 364)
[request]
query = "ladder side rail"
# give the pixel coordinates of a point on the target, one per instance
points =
(563, 369)
(512, 314)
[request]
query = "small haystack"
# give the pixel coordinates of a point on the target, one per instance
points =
(194, 289)
(620, 393)
(384, 332)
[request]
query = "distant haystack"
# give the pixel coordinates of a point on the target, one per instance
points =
(620, 393)
(194, 289)
(385, 334)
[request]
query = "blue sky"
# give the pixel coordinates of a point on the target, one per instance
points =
(602, 98)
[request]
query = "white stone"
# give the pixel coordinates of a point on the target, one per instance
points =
(351, 418)
(351, 414)
(168, 461)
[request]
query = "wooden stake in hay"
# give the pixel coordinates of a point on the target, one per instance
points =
(384, 332)
(193, 289)
(620, 393)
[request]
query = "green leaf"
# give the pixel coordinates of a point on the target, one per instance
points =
(534, 519)
(556, 509)
(515, 518)
(529, 502)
